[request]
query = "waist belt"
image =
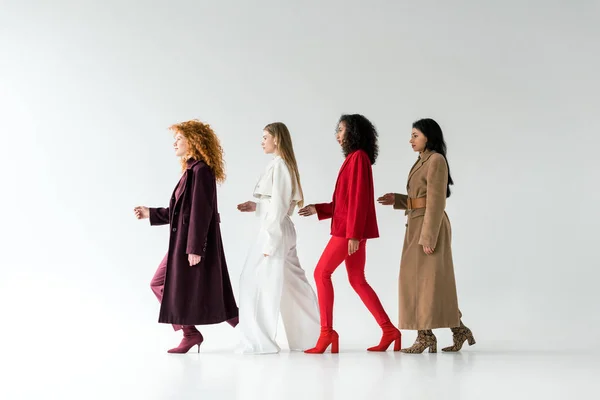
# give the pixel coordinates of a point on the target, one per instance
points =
(419, 202)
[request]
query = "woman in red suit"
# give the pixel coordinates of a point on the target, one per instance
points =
(353, 221)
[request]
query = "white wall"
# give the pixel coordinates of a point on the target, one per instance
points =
(87, 90)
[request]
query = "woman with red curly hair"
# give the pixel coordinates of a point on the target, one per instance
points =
(192, 281)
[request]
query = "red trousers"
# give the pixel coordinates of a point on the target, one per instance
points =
(333, 255)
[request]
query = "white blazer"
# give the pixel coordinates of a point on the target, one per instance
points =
(275, 201)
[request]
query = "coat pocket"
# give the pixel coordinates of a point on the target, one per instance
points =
(185, 219)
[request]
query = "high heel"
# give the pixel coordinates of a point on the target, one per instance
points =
(390, 334)
(425, 340)
(191, 338)
(327, 337)
(433, 348)
(460, 335)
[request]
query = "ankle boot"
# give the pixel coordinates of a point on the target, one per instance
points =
(425, 339)
(459, 336)
(328, 337)
(390, 334)
(191, 338)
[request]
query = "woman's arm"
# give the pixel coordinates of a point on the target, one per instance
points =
(400, 201)
(437, 184)
(324, 210)
(202, 201)
(358, 195)
(278, 207)
(159, 215)
(262, 207)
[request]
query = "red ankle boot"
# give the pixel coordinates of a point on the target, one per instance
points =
(191, 338)
(328, 337)
(390, 334)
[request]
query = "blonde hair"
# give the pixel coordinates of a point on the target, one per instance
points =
(203, 145)
(282, 135)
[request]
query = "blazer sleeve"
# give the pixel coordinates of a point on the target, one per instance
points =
(359, 189)
(159, 215)
(437, 183)
(400, 201)
(324, 210)
(278, 208)
(262, 206)
(202, 202)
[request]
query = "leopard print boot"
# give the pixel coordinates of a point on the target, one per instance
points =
(460, 335)
(425, 339)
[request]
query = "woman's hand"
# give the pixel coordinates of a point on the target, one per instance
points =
(428, 250)
(141, 212)
(387, 199)
(352, 246)
(248, 206)
(308, 210)
(194, 259)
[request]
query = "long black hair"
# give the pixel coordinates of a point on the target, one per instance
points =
(360, 135)
(435, 142)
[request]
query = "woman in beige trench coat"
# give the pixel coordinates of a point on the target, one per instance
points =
(427, 288)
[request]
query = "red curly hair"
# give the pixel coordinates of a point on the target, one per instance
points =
(203, 145)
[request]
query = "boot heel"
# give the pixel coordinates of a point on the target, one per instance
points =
(433, 348)
(335, 345)
(398, 344)
(471, 340)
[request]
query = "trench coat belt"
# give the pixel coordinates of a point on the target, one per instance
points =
(413, 203)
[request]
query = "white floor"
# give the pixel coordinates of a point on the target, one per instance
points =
(482, 372)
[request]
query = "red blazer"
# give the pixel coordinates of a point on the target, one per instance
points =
(352, 210)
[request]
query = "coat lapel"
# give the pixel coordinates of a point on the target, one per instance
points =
(340, 175)
(188, 174)
(184, 184)
(264, 184)
(422, 159)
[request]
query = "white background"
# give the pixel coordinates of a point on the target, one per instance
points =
(87, 90)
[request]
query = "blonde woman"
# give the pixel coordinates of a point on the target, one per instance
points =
(192, 282)
(272, 280)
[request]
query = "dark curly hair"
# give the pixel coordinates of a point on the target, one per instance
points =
(360, 135)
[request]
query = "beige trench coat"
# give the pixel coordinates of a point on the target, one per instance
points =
(427, 288)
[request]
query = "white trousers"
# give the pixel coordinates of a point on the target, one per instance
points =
(273, 285)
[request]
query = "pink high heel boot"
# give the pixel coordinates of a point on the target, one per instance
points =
(191, 338)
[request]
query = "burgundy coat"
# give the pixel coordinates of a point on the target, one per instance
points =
(200, 294)
(352, 210)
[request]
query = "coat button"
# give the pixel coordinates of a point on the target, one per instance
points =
(174, 229)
